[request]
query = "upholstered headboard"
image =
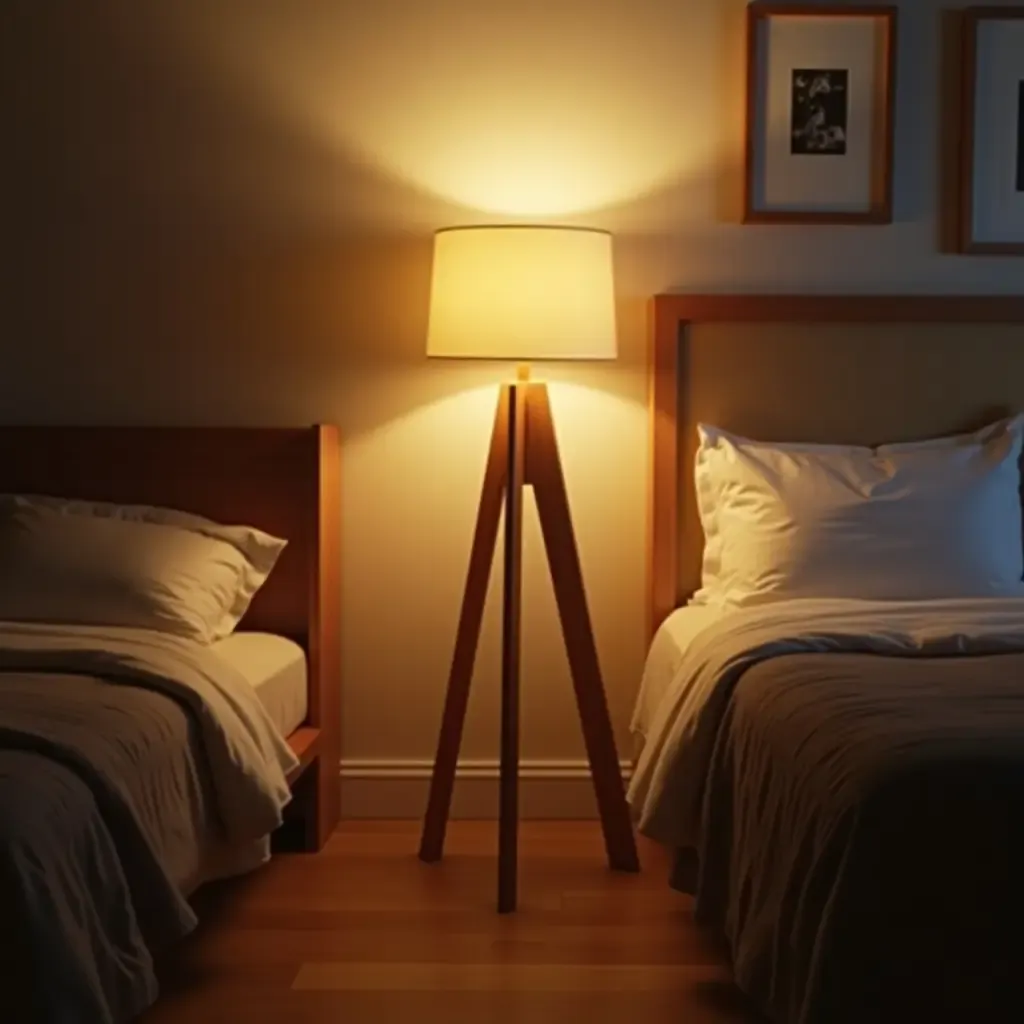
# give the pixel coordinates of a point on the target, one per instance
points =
(850, 369)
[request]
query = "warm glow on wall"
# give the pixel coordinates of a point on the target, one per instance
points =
(513, 110)
(552, 150)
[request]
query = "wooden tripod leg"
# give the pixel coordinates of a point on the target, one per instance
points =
(544, 472)
(508, 784)
(442, 781)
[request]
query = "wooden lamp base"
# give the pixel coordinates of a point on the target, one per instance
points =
(524, 452)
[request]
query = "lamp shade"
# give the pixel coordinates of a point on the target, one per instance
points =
(522, 293)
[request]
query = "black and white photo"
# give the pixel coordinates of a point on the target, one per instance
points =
(820, 112)
(820, 103)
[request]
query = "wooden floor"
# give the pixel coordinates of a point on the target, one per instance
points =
(364, 932)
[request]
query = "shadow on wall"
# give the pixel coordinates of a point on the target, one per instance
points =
(220, 198)
(230, 116)
(167, 239)
(509, 110)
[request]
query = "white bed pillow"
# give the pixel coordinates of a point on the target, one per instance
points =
(128, 565)
(931, 519)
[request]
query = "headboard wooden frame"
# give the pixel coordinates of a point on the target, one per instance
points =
(283, 481)
(671, 320)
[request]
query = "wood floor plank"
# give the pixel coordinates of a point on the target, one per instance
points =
(352, 938)
(704, 1005)
(365, 932)
(502, 977)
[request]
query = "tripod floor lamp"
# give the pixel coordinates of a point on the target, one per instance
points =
(524, 293)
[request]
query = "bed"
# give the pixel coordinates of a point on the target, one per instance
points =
(842, 781)
(117, 801)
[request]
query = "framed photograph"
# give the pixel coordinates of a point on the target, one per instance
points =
(992, 175)
(821, 85)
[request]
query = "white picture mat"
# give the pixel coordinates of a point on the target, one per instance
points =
(998, 206)
(790, 182)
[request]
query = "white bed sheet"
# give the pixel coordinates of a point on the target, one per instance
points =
(275, 667)
(666, 654)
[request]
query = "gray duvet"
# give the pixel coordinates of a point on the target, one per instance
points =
(90, 775)
(856, 829)
(103, 779)
(862, 853)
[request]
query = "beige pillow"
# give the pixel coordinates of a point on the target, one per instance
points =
(99, 563)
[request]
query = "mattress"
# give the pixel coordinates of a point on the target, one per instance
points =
(666, 654)
(275, 667)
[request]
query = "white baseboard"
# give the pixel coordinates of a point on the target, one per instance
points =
(398, 789)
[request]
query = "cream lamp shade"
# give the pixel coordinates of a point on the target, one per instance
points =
(522, 293)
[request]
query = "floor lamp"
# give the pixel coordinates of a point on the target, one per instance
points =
(524, 293)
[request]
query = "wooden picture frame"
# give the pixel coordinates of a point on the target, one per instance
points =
(995, 141)
(833, 162)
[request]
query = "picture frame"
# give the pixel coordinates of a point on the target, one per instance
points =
(992, 142)
(820, 131)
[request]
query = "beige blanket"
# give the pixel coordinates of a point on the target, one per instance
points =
(249, 760)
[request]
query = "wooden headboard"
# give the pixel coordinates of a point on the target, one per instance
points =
(840, 369)
(283, 481)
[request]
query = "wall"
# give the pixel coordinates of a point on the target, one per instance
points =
(218, 211)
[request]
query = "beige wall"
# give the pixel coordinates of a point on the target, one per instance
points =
(218, 211)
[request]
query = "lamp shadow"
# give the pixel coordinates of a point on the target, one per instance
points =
(187, 252)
